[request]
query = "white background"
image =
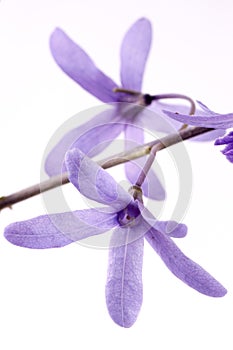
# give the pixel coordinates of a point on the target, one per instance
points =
(54, 299)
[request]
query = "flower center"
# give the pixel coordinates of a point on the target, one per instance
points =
(132, 96)
(131, 103)
(128, 216)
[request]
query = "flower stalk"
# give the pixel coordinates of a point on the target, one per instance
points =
(120, 158)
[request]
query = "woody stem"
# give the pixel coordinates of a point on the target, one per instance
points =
(120, 158)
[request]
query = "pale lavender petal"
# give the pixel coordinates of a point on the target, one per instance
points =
(182, 267)
(217, 121)
(160, 122)
(94, 182)
(201, 109)
(124, 290)
(102, 136)
(211, 135)
(163, 123)
(156, 121)
(74, 61)
(90, 137)
(205, 109)
(133, 134)
(134, 52)
(170, 228)
(151, 187)
(58, 230)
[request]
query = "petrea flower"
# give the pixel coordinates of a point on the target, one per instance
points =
(228, 141)
(128, 108)
(130, 222)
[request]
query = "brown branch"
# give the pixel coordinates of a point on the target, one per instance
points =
(120, 158)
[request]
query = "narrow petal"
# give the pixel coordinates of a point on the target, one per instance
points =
(124, 290)
(211, 135)
(94, 182)
(217, 121)
(134, 52)
(227, 139)
(182, 267)
(133, 134)
(160, 122)
(90, 137)
(228, 149)
(74, 61)
(170, 228)
(155, 120)
(151, 187)
(206, 110)
(58, 230)
(229, 157)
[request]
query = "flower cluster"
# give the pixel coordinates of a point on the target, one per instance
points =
(122, 213)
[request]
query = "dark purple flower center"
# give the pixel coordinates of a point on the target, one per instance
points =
(128, 216)
(148, 99)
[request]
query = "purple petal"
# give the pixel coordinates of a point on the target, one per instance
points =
(124, 288)
(58, 230)
(228, 138)
(206, 110)
(78, 65)
(211, 135)
(133, 134)
(94, 182)
(90, 137)
(182, 267)
(228, 150)
(230, 157)
(151, 187)
(155, 120)
(170, 228)
(134, 52)
(217, 121)
(160, 122)
(98, 138)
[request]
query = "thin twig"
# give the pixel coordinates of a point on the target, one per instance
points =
(120, 158)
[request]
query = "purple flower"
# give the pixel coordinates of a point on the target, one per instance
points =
(106, 126)
(130, 222)
(228, 141)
